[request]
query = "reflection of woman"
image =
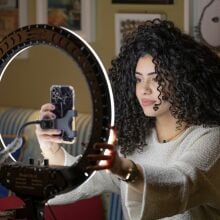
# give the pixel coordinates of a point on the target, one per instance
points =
(167, 90)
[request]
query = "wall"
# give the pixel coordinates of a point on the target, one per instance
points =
(26, 82)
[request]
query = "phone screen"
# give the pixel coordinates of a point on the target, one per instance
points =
(63, 98)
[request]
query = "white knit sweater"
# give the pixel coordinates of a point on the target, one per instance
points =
(182, 179)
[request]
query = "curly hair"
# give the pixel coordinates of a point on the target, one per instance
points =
(188, 76)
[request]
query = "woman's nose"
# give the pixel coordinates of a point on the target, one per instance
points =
(146, 89)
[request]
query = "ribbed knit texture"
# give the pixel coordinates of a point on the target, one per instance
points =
(182, 179)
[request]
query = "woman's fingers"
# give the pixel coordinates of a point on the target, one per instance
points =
(46, 111)
(47, 114)
(98, 157)
(49, 138)
(52, 135)
(40, 131)
(47, 107)
(103, 160)
(98, 167)
(55, 139)
(103, 146)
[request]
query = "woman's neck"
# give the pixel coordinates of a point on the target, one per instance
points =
(167, 128)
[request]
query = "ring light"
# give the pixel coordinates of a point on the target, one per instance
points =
(100, 89)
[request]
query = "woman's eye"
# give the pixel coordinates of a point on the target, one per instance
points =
(138, 80)
(154, 79)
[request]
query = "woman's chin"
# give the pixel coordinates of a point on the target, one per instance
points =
(151, 113)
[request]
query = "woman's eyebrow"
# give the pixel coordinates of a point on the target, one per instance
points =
(151, 73)
(138, 73)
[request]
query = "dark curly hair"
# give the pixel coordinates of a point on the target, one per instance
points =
(188, 76)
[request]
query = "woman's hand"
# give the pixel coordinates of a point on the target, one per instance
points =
(110, 158)
(46, 136)
(49, 138)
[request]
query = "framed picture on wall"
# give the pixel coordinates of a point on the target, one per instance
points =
(125, 23)
(9, 17)
(201, 20)
(76, 15)
(13, 14)
(143, 1)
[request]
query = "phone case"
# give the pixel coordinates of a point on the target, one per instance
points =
(63, 98)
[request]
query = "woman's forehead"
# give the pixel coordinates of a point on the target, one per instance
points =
(145, 65)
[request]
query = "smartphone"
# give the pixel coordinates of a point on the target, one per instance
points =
(63, 98)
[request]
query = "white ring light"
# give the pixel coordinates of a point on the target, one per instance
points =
(100, 88)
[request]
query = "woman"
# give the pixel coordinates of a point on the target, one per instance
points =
(166, 88)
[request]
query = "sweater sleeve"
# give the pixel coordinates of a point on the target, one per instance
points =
(100, 181)
(190, 181)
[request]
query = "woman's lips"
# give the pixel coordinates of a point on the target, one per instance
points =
(147, 102)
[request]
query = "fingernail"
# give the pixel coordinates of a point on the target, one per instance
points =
(58, 131)
(53, 116)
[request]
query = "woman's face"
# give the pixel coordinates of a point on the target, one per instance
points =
(146, 88)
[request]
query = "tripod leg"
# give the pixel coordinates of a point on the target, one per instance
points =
(32, 211)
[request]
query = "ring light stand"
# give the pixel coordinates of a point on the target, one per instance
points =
(36, 184)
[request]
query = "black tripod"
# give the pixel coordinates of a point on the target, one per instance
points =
(33, 210)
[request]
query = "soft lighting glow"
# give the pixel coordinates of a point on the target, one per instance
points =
(3, 144)
(44, 37)
(3, 71)
(105, 74)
